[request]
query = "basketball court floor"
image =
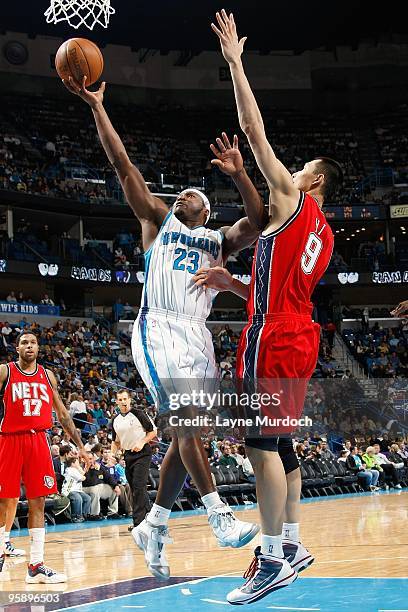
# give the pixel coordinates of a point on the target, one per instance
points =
(360, 543)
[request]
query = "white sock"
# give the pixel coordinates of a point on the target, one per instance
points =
(37, 535)
(212, 499)
(272, 546)
(290, 531)
(2, 540)
(158, 515)
(6, 536)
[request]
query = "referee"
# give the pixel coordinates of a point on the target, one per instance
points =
(132, 431)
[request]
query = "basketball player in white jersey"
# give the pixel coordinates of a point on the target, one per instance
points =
(170, 341)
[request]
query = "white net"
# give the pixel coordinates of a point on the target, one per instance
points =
(80, 12)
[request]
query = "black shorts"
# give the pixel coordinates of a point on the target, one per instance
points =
(275, 443)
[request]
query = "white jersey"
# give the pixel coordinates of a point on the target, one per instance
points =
(170, 264)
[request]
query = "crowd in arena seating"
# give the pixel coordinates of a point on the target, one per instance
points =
(47, 151)
(383, 352)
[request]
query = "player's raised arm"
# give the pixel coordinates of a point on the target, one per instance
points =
(250, 119)
(65, 419)
(243, 233)
(148, 209)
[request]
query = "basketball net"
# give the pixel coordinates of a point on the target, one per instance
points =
(80, 12)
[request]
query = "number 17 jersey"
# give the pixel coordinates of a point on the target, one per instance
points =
(289, 262)
(27, 400)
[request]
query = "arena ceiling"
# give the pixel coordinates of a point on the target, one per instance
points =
(184, 24)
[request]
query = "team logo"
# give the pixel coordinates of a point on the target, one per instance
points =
(49, 481)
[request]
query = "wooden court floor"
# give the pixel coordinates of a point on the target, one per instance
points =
(354, 536)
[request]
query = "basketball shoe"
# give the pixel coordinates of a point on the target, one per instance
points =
(265, 575)
(297, 555)
(40, 573)
(151, 539)
(229, 530)
(11, 551)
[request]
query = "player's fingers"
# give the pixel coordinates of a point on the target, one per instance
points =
(201, 270)
(102, 87)
(68, 86)
(221, 23)
(218, 32)
(215, 151)
(235, 142)
(226, 140)
(225, 19)
(242, 41)
(218, 163)
(201, 283)
(74, 85)
(220, 144)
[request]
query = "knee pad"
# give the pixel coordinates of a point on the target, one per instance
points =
(287, 455)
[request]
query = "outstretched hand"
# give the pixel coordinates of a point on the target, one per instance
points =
(93, 98)
(400, 310)
(231, 46)
(229, 159)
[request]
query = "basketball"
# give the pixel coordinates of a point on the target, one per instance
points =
(79, 57)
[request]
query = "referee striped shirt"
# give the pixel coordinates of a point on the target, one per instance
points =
(131, 428)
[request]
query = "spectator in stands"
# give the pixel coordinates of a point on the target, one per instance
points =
(226, 458)
(72, 488)
(7, 333)
(236, 455)
(371, 462)
(403, 451)
(59, 463)
(78, 411)
(247, 468)
(11, 298)
(343, 456)
(325, 451)
(391, 469)
(368, 478)
(47, 301)
(99, 484)
(157, 457)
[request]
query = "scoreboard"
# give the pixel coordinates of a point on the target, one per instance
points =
(354, 212)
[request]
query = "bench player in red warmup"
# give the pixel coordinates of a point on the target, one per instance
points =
(29, 394)
(280, 341)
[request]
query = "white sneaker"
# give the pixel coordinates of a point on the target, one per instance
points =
(44, 575)
(297, 555)
(397, 486)
(151, 540)
(265, 575)
(229, 530)
(11, 551)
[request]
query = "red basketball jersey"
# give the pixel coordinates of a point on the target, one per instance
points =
(289, 262)
(27, 400)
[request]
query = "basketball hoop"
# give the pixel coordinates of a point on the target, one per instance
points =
(80, 12)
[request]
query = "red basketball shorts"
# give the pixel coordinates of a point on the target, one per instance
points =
(276, 357)
(26, 458)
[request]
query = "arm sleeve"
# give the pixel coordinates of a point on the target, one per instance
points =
(144, 420)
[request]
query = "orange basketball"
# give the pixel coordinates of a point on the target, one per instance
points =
(77, 57)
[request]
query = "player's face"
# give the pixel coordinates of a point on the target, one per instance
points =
(27, 348)
(308, 178)
(123, 401)
(189, 207)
